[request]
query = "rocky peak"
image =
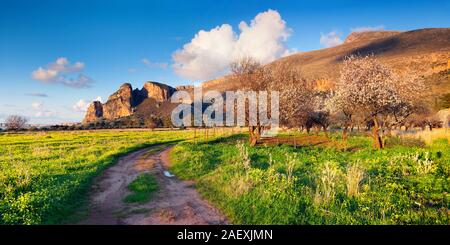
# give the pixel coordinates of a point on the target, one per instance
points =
(123, 101)
(158, 91)
(94, 111)
(124, 92)
(119, 103)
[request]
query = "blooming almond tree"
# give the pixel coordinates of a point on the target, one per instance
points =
(372, 91)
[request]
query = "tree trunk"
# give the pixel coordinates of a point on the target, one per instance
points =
(344, 134)
(258, 132)
(378, 141)
(325, 131)
(254, 134)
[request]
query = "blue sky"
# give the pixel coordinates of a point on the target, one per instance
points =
(135, 41)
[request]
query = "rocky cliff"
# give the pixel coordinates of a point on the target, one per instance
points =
(94, 111)
(123, 102)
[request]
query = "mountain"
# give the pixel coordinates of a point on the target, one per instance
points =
(426, 51)
(126, 101)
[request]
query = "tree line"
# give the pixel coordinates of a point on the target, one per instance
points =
(368, 95)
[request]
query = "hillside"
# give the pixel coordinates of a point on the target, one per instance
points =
(426, 51)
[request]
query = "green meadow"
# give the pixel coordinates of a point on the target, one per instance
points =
(45, 176)
(331, 183)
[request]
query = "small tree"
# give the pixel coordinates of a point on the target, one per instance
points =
(251, 76)
(15, 122)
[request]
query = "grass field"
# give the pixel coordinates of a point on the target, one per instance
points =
(44, 177)
(329, 183)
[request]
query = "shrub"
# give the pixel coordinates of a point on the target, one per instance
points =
(327, 182)
(404, 141)
(353, 179)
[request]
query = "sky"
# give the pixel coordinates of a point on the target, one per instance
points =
(58, 56)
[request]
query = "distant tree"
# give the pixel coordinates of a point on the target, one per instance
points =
(15, 122)
(318, 118)
(166, 122)
(244, 66)
(373, 92)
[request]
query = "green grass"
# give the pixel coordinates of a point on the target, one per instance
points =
(45, 176)
(142, 189)
(406, 183)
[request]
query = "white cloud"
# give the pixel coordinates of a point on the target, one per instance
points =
(82, 81)
(62, 64)
(209, 53)
(150, 64)
(82, 105)
(57, 71)
(47, 76)
(45, 113)
(330, 39)
(367, 28)
(99, 99)
(37, 105)
(40, 110)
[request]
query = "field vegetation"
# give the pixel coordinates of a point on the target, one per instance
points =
(142, 189)
(45, 176)
(333, 182)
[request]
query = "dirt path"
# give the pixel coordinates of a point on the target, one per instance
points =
(176, 202)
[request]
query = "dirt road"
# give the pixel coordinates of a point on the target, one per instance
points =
(176, 201)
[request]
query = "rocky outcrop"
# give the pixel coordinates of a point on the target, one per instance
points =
(119, 103)
(94, 111)
(123, 102)
(158, 91)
